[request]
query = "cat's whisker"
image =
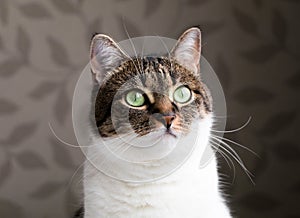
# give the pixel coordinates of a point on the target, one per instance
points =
(74, 174)
(222, 154)
(131, 59)
(229, 147)
(132, 45)
(220, 116)
(233, 156)
(125, 149)
(119, 146)
(168, 52)
(142, 56)
(84, 176)
(234, 130)
(61, 140)
(236, 157)
(113, 151)
(128, 141)
(91, 156)
(216, 146)
(238, 144)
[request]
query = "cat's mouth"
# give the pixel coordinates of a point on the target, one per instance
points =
(169, 132)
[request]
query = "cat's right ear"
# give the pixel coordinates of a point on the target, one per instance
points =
(105, 55)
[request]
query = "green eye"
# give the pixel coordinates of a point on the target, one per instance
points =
(135, 98)
(182, 94)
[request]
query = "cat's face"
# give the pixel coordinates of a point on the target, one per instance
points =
(147, 95)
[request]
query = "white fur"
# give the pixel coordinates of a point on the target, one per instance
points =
(188, 192)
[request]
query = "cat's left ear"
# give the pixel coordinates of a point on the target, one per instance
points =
(105, 55)
(187, 50)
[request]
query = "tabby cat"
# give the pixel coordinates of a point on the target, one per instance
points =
(151, 98)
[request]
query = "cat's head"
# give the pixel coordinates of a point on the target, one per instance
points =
(146, 95)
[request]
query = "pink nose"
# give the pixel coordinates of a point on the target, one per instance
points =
(168, 120)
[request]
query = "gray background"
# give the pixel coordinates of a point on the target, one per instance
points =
(253, 46)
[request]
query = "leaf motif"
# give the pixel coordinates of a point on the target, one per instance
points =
(151, 7)
(130, 27)
(253, 95)
(62, 106)
(245, 22)
(4, 10)
(10, 67)
(23, 42)
(261, 54)
(223, 71)
(277, 123)
(46, 190)
(20, 134)
(64, 6)
(9, 209)
(5, 171)
(294, 81)
(29, 160)
(43, 89)
(258, 202)
(58, 52)
(196, 2)
(7, 107)
(279, 27)
(287, 151)
(62, 155)
(34, 10)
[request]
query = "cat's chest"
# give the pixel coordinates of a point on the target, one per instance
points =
(182, 195)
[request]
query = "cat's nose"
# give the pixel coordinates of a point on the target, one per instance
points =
(165, 119)
(168, 120)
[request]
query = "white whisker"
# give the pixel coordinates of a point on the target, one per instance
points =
(168, 52)
(62, 141)
(233, 142)
(74, 174)
(132, 45)
(236, 157)
(222, 154)
(230, 148)
(216, 146)
(234, 130)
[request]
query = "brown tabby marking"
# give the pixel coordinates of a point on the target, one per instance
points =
(158, 75)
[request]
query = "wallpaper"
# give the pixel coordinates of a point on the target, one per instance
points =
(253, 45)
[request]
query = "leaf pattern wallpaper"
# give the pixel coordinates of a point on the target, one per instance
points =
(253, 45)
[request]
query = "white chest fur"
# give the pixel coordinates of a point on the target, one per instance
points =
(189, 192)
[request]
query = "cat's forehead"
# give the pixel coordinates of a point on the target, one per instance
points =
(158, 74)
(153, 75)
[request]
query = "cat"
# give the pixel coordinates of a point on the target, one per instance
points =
(151, 98)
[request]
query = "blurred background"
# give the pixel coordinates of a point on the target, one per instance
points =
(253, 45)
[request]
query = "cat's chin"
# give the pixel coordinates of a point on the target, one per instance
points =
(151, 147)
